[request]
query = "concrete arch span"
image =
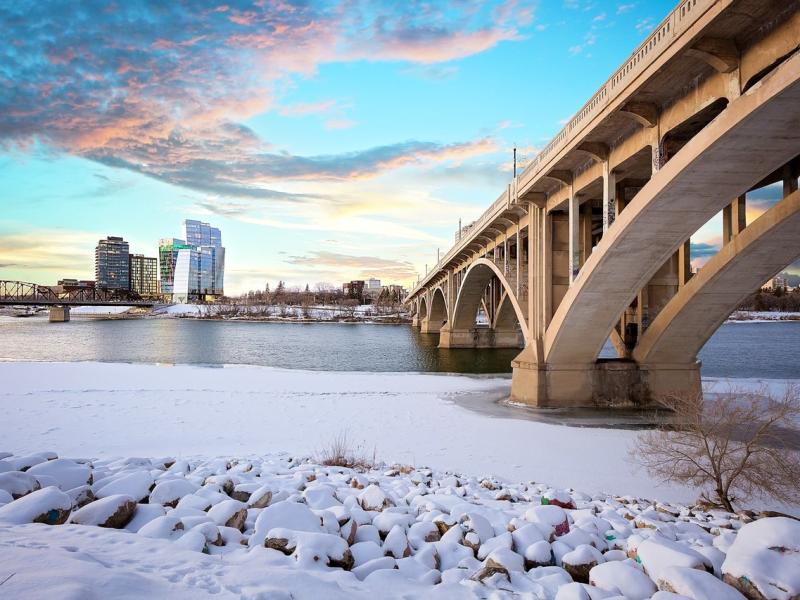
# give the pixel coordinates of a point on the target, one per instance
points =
(437, 314)
(460, 331)
(422, 310)
(669, 347)
(506, 320)
(711, 169)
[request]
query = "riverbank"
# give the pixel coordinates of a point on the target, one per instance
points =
(281, 526)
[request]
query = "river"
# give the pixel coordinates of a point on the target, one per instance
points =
(763, 350)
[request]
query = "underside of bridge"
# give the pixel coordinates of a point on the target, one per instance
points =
(592, 242)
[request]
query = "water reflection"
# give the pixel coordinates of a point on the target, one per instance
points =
(767, 350)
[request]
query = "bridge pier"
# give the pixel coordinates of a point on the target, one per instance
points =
(477, 337)
(605, 383)
(59, 314)
(428, 326)
(415, 321)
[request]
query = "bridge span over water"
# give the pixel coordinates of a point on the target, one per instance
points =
(591, 241)
(21, 293)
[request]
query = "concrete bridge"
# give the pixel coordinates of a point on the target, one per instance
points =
(591, 242)
(21, 293)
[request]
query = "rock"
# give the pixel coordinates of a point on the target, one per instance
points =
(169, 492)
(396, 543)
(136, 484)
(166, 527)
(657, 553)
(311, 549)
(421, 533)
(580, 561)
(287, 515)
(622, 579)
(489, 569)
(230, 513)
(558, 498)
(370, 567)
(552, 520)
(18, 484)
(48, 505)
(81, 496)
(508, 559)
(143, 514)
(373, 498)
(763, 562)
(538, 554)
(67, 473)
(112, 511)
(260, 498)
(697, 585)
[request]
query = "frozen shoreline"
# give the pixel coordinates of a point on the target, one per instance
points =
(107, 409)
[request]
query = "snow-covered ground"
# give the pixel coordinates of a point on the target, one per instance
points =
(762, 316)
(236, 433)
(280, 527)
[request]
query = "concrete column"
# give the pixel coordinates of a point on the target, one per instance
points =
(733, 219)
(505, 253)
(684, 263)
(789, 180)
(586, 232)
(519, 251)
(609, 196)
(59, 314)
(574, 242)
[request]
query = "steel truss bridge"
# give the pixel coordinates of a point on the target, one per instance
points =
(31, 294)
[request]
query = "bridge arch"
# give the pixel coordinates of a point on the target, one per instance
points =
(439, 312)
(682, 196)
(691, 317)
(470, 295)
(422, 309)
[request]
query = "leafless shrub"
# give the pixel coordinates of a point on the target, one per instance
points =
(734, 447)
(339, 453)
(284, 311)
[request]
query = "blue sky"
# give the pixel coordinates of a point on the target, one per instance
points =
(328, 140)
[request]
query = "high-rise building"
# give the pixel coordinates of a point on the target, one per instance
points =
(111, 268)
(194, 268)
(143, 279)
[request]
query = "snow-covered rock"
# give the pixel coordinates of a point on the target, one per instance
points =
(48, 505)
(18, 483)
(622, 579)
(696, 584)
(286, 515)
(67, 473)
(170, 491)
(764, 561)
(111, 511)
(136, 484)
(657, 553)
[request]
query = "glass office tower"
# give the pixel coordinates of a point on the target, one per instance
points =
(111, 265)
(193, 269)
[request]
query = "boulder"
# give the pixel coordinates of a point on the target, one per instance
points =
(68, 474)
(136, 484)
(112, 511)
(489, 569)
(697, 585)
(81, 496)
(260, 498)
(373, 498)
(170, 491)
(18, 484)
(48, 505)
(763, 562)
(657, 552)
(166, 527)
(552, 520)
(229, 513)
(622, 579)
(580, 561)
(287, 515)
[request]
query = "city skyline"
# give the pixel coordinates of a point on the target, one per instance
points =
(331, 142)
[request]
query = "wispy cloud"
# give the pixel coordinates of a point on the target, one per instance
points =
(361, 266)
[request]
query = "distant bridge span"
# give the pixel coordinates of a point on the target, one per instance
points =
(591, 242)
(21, 293)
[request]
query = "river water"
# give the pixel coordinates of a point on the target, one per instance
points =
(764, 350)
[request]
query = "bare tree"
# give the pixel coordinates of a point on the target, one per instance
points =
(734, 447)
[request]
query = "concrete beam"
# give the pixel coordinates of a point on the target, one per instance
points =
(644, 113)
(720, 53)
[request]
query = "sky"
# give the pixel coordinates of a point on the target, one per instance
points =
(328, 140)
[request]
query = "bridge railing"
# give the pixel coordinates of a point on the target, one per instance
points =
(680, 19)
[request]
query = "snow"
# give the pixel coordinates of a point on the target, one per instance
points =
(695, 584)
(622, 579)
(257, 516)
(767, 554)
(42, 506)
(98, 310)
